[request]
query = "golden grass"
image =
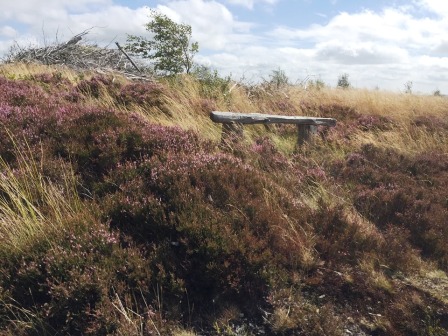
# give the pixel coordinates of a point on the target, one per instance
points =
(31, 206)
(401, 108)
(405, 140)
(27, 70)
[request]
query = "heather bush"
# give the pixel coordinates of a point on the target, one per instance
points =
(172, 204)
(413, 317)
(21, 93)
(294, 314)
(143, 94)
(342, 239)
(71, 286)
(430, 123)
(154, 226)
(206, 106)
(268, 156)
(392, 189)
(368, 123)
(53, 83)
(97, 140)
(221, 240)
(97, 86)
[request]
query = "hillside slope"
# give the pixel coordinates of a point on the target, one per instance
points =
(122, 213)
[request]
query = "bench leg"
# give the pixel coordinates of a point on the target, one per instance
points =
(305, 132)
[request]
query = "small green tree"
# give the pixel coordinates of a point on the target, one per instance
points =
(171, 47)
(212, 84)
(343, 81)
(408, 87)
(278, 78)
(316, 84)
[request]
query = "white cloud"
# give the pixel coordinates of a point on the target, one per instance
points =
(391, 26)
(359, 53)
(7, 31)
(37, 10)
(388, 47)
(58, 22)
(251, 3)
(108, 23)
(385, 48)
(213, 25)
(439, 7)
(441, 49)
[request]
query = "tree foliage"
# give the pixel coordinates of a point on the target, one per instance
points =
(278, 78)
(408, 87)
(343, 81)
(170, 47)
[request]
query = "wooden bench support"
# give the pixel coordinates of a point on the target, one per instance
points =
(233, 124)
(304, 135)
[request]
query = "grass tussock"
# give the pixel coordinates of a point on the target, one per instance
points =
(122, 212)
(32, 207)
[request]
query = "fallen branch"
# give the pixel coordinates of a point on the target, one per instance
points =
(127, 56)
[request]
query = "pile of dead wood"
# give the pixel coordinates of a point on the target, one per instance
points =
(81, 56)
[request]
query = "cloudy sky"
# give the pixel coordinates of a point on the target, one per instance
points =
(378, 43)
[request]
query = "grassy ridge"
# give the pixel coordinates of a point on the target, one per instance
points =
(122, 214)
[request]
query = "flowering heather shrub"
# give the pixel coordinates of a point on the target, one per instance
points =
(28, 112)
(350, 123)
(67, 287)
(342, 240)
(43, 91)
(368, 123)
(404, 192)
(52, 83)
(162, 139)
(97, 140)
(187, 231)
(50, 78)
(145, 94)
(268, 157)
(95, 86)
(206, 105)
(397, 239)
(285, 106)
(430, 123)
(21, 93)
(208, 215)
(429, 163)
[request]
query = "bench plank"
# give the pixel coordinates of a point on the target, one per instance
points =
(258, 118)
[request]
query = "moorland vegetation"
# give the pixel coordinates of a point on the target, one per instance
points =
(122, 213)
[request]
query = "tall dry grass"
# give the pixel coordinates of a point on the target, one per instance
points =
(32, 207)
(28, 70)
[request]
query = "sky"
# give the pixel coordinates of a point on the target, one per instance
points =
(379, 44)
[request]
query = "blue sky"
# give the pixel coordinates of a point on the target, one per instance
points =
(379, 44)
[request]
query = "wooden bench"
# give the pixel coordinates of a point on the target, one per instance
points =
(233, 123)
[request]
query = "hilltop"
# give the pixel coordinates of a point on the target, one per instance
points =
(122, 213)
